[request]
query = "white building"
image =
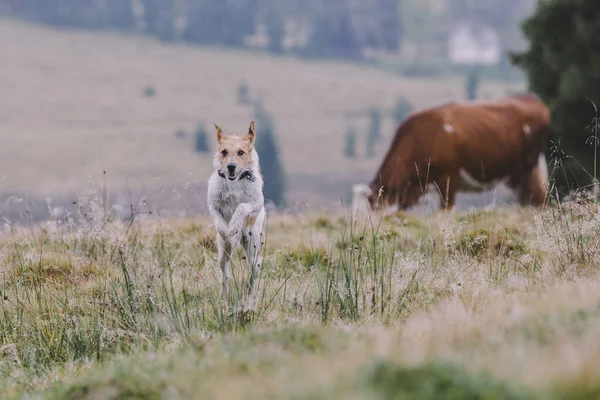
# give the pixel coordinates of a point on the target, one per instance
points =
(472, 43)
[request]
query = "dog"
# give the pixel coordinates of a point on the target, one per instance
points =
(236, 202)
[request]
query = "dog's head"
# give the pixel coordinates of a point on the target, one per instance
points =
(235, 155)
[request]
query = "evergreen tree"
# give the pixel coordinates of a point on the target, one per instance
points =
(220, 22)
(204, 17)
(471, 84)
(391, 24)
(201, 139)
(276, 30)
(72, 13)
(319, 41)
(350, 142)
(243, 93)
(402, 109)
(344, 42)
(120, 14)
(563, 67)
(374, 130)
(268, 153)
(159, 16)
(332, 33)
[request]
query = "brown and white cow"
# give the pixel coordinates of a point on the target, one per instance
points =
(470, 146)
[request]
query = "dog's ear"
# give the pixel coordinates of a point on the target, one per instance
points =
(220, 134)
(250, 135)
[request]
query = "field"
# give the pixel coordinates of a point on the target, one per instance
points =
(494, 304)
(74, 106)
(104, 301)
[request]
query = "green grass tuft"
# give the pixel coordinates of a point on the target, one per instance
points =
(438, 381)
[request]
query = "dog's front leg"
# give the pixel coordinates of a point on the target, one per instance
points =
(220, 224)
(224, 255)
(239, 217)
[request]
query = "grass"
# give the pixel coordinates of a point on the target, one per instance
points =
(78, 100)
(348, 307)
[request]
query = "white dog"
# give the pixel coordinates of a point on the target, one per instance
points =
(236, 202)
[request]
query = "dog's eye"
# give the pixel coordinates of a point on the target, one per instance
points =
(241, 153)
(224, 153)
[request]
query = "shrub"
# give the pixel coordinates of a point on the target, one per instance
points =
(149, 91)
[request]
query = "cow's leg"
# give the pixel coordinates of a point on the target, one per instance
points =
(448, 184)
(410, 197)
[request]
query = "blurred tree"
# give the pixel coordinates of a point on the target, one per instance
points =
(336, 28)
(119, 14)
(159, 18)
(472, 83)
(268, 153)
(374, 130)
(224, 22)
(275, 22)
(243, 96)
(350, 142)
(402, 108)
(390, 23)
(73, 13)
(318, 41)
(201, 144)
(203, 22)
(5, 6)
(180, 134)
(332, 33)
(422, 22)
(563, 68)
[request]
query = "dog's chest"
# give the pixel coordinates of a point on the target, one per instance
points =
(229, 198)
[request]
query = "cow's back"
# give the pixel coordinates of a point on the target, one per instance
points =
(485, 139)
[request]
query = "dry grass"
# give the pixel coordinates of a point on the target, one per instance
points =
(74, 99)
(348, 308)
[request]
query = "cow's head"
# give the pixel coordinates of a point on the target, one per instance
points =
(366, 195)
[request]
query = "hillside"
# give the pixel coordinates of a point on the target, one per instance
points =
(73, 106)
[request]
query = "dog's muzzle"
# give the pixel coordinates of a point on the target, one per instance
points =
(244, 175)
(231, 167)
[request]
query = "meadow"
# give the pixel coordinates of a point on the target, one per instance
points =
(498, 303)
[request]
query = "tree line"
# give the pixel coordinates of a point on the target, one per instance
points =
(319, 28)
(309, 28)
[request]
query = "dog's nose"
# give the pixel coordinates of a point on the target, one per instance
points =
(231, 168)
